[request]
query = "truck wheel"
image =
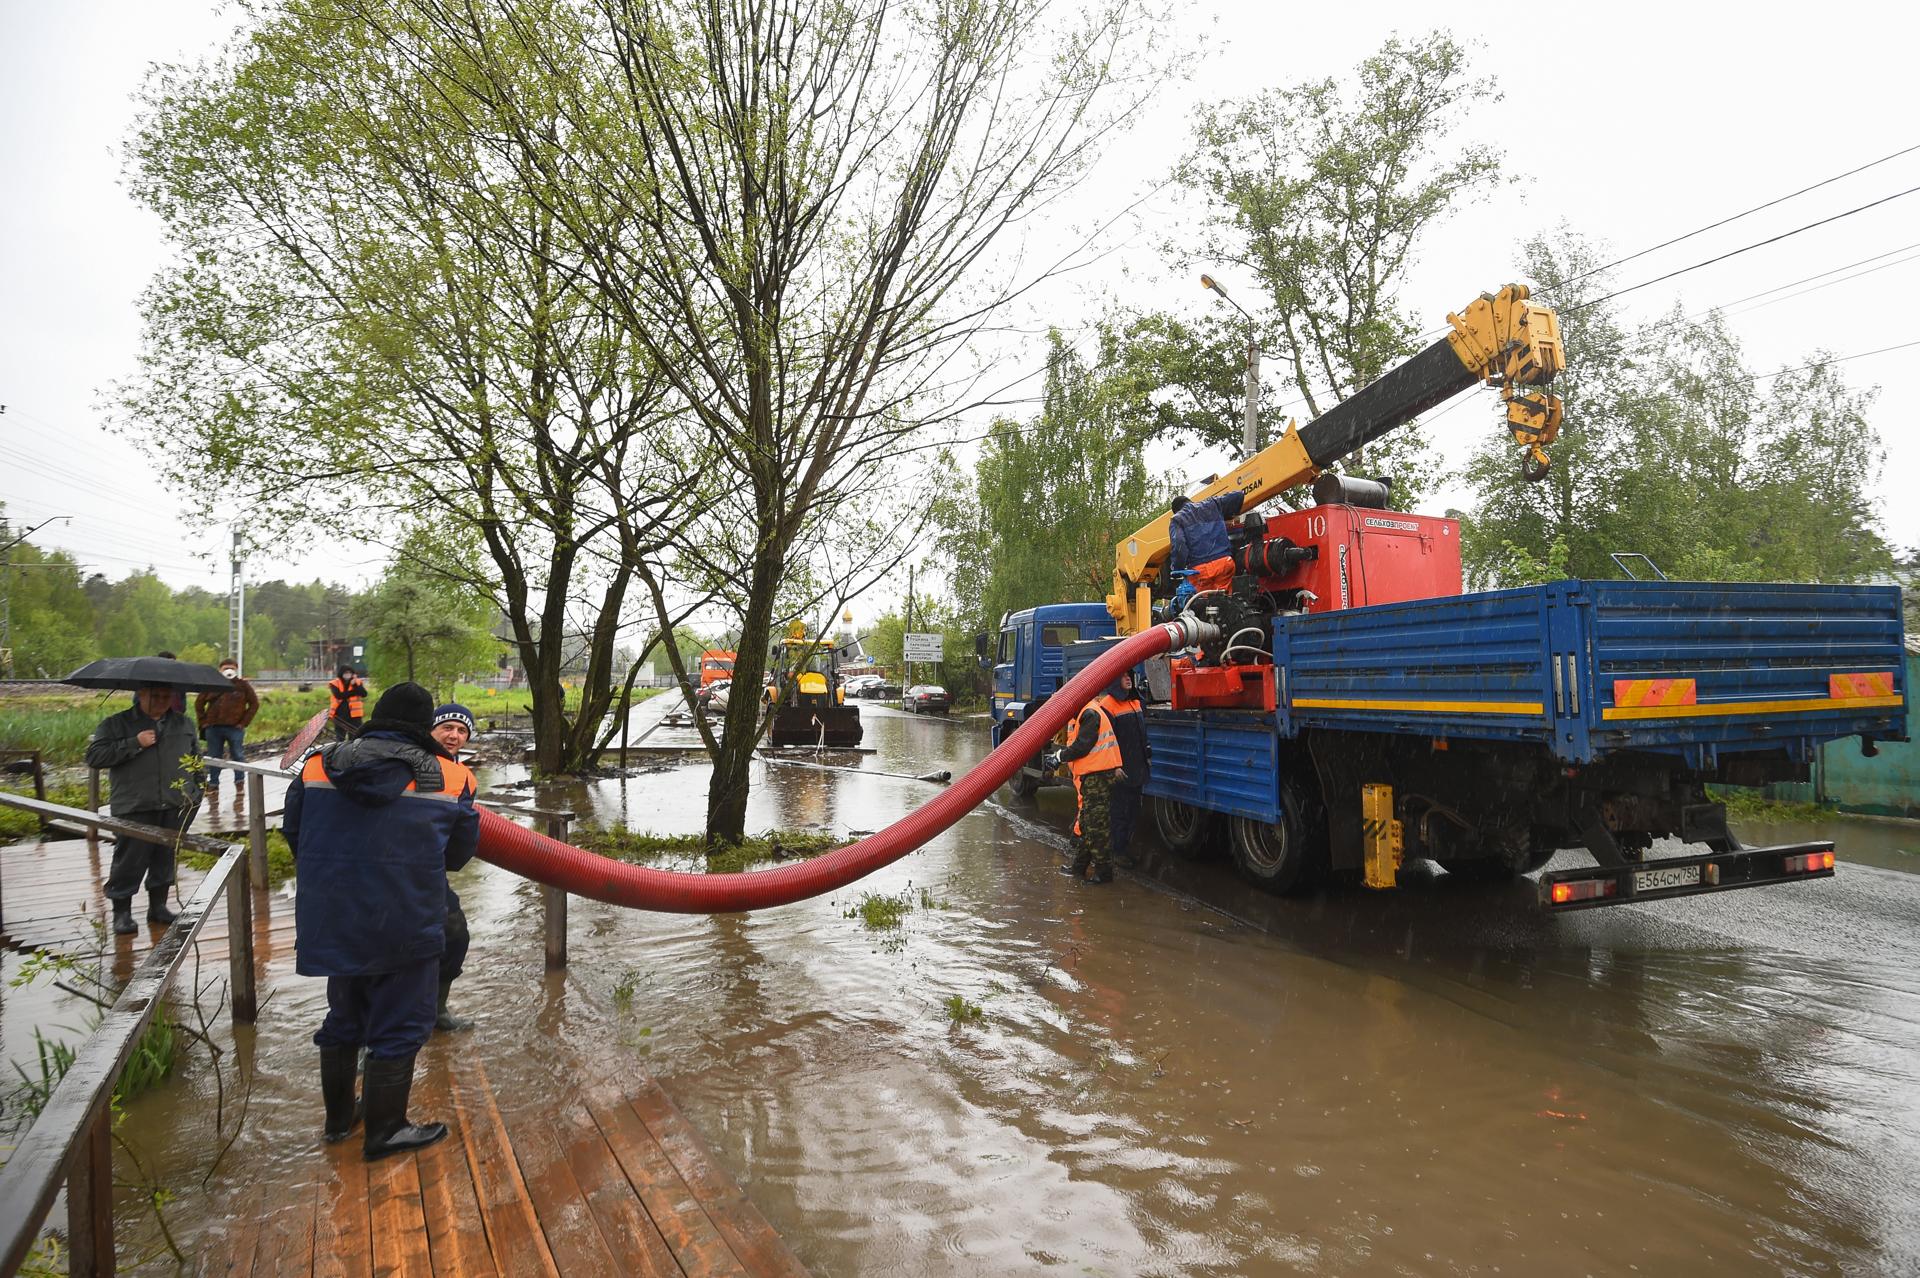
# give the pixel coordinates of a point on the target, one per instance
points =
(1024, 783)
(1188, 831)
(1290, 854)
(1481, 869)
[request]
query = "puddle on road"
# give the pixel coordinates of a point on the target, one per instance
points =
(1435, 1081)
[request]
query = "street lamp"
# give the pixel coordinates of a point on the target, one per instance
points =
(1251, 430)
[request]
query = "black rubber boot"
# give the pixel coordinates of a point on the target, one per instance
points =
(1078, 867)
(123, 924)
(1102, 873)
(336, 1089)
(157, 911)
(389, 1081)
(446, 1020)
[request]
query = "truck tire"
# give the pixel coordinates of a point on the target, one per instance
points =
(1024, 783)
(1288, 855)
(1187, 831)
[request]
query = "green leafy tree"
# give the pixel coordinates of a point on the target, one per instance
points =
(1321, 194)
(427, 620)
(1051, 499)
(375, 315)
(1674, 448)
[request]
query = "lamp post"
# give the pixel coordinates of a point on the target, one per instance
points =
(1250, 437)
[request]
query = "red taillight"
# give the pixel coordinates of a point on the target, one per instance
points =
(1583, 890)
(1809, 862)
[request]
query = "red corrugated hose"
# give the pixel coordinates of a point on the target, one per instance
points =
(549, 861)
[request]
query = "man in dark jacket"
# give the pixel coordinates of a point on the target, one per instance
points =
(375, 824)
(1198, 536)
(1122, 704)
(347, 694)
(223, 718)
(152, 760)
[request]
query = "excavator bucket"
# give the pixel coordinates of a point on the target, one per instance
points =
(817, 724)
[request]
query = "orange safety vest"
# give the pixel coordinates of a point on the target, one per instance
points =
(338, 690)
(456, 779)
(1104, 757)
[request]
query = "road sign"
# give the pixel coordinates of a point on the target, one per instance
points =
(922, 648)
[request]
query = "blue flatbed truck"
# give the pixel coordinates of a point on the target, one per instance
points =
(1486, 731)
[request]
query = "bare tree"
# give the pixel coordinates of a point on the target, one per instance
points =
(794, 207)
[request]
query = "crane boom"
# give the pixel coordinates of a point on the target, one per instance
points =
(1501, 339)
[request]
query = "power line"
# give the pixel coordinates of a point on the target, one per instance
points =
(1745, 248)
(1736, 217)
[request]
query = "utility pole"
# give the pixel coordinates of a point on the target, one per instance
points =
(905, 631)
(1251, 438)
(6, 599)
(237, 606)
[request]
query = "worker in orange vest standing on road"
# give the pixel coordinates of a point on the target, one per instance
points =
(348, 702)
(1093, 753)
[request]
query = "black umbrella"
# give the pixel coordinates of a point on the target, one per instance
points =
(134, 673)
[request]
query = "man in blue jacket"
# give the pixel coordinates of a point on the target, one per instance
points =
(1198, 539)
(375, 824)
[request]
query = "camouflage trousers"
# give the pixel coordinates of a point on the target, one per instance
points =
(1093, 832)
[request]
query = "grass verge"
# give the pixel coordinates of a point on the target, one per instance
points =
(690, 850)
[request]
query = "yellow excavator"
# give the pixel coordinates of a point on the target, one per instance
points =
(1501, 339)
(809, 705)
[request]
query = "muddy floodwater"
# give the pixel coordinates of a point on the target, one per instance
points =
(1179, 1075)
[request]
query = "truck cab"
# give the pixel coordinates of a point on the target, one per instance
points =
(1028, 665)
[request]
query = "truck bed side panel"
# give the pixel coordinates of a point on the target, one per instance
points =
(1220, 760)
(1699, 669)
(1475, 665)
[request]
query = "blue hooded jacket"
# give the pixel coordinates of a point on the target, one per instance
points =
(1198, 530)
(375, 823)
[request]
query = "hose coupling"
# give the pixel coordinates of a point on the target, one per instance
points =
(1189, 631)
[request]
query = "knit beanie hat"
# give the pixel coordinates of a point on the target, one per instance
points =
(405, 705)
(454, 712)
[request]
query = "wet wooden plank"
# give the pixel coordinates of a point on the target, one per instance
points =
(232, 1252)
(343, 1227)
(398, 1219)
(287, 1234)
(757, 1244)
(513, 1232)
(456, 1234)
(559, 1199)
(622, 1218)
(698, 1247)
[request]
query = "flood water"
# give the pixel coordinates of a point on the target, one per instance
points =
(1178, 1075)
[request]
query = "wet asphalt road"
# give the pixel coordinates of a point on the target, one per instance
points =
(1179, 1075)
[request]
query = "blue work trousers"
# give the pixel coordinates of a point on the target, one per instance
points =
(391, 1015)
(225, 742)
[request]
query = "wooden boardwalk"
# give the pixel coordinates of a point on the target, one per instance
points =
(564, 1174)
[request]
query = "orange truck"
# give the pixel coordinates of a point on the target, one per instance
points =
(715, 665)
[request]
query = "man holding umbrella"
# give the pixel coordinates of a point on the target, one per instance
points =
(151, 755)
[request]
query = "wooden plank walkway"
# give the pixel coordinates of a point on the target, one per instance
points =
(573, 1175)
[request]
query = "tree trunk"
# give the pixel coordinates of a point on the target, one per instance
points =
(732, 766)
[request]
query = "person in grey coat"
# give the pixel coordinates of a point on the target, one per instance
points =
(151, 755)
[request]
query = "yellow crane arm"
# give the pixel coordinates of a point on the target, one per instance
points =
(1500, 338)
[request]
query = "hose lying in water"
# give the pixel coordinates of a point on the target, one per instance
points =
(549, 861)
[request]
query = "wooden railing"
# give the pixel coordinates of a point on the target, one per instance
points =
(70, 1142)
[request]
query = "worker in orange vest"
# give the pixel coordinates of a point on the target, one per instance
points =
(347, 704)
(1093, 753)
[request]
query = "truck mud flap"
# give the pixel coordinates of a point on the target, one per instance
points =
(1586, 889)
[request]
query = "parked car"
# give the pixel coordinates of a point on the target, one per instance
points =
(854, 683)
(880, 690)
(925, 698)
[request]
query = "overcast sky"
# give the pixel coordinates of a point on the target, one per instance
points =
(1632, 123)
